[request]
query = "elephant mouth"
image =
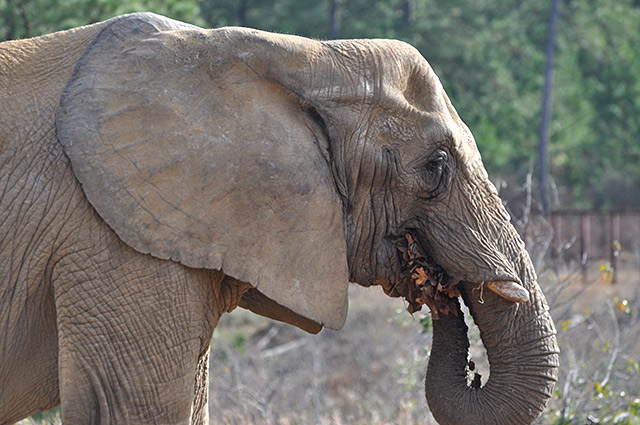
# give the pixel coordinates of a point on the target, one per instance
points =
(422, 281)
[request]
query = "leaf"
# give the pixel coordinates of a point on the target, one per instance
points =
(598, 388)
(420, 276)
(452, 292)
(409, 238)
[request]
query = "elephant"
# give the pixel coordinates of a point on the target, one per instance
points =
(155, 175)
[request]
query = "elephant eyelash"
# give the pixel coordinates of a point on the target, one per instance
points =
(437, 164)
(435, 172)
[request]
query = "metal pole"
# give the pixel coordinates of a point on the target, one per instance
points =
(543, 167)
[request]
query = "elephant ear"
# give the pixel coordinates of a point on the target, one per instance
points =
(192, 157)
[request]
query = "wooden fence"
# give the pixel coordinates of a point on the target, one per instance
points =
(585, 237)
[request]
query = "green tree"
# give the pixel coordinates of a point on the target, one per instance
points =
(595, 139)
(489, 55)
(302, 17)
(29, 18)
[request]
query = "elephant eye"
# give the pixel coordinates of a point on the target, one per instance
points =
(435, 171)
(437, 161)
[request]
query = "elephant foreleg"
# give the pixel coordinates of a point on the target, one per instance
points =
(28, 352)
(132, 332)
(200, 410)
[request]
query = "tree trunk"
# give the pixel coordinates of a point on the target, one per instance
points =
(406, 14)
(242, 13)
(334, 19)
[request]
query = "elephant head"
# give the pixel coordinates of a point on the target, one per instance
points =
(296, 165)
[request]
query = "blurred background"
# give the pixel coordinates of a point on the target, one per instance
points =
(551, 91)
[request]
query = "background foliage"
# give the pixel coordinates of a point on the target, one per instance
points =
(490, 57)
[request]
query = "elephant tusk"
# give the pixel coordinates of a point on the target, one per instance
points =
(510, 290)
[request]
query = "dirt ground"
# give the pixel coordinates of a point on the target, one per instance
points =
(589, 292)
(372, 371)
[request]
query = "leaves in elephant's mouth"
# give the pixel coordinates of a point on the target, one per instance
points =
(428, 284)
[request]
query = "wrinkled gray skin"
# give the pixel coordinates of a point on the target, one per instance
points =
(148, 168)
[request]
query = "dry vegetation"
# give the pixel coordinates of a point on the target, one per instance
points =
(599, 336)
(372, 371)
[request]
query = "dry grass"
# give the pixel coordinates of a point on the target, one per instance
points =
(599, 336)
(372, 371)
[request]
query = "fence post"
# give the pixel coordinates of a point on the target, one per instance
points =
(556, 225)
(614, 243)
(585, 243)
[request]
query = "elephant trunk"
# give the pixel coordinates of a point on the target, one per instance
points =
(523, 356)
